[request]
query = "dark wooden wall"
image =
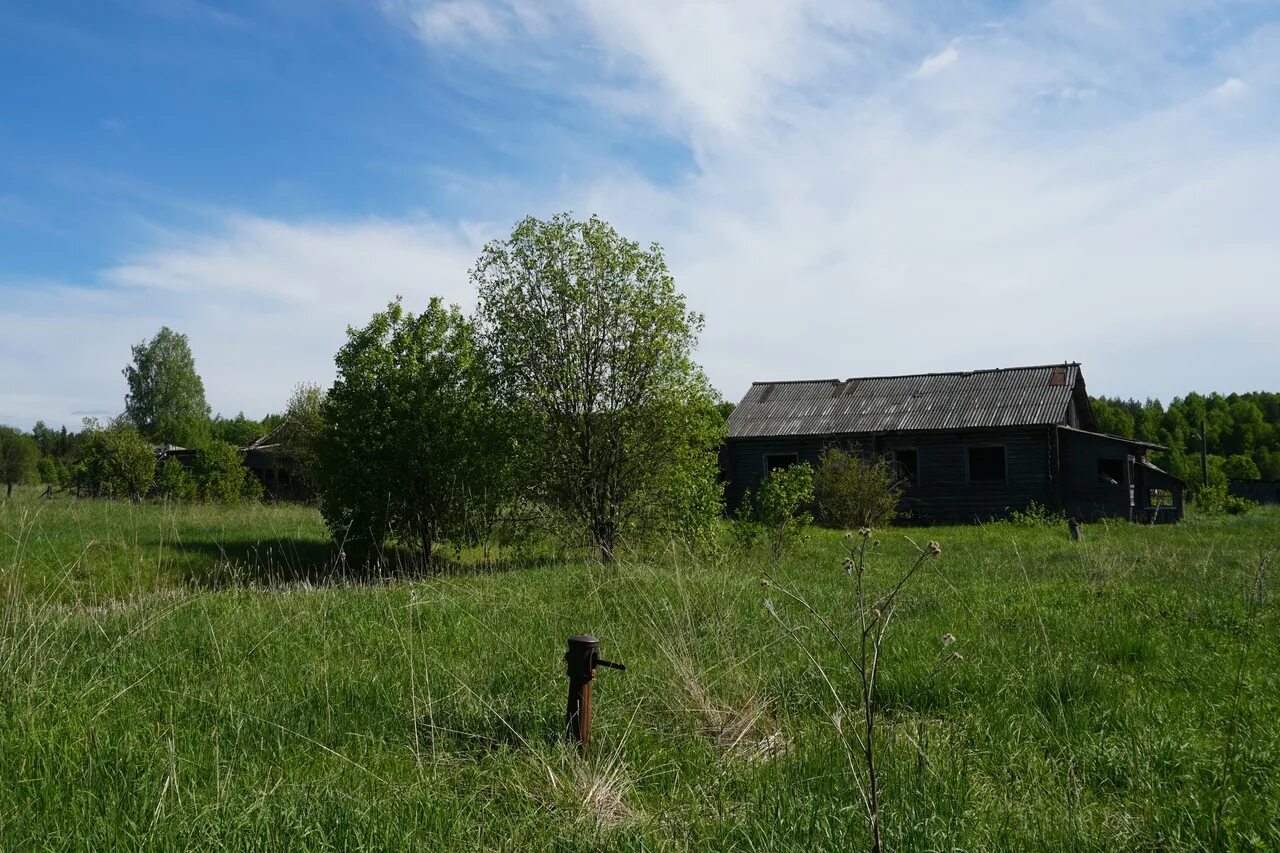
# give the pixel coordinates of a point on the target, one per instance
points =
(1082, 495)
(1262, 491)
(943, 492)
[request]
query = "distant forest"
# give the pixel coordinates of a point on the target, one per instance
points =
(1241, 432)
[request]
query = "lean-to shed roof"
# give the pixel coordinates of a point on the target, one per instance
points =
(1012, 397)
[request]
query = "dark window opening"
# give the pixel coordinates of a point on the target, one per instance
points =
(986, 465)
(906, 465)
(776, 461)
(1159, 497)
(1111, 471)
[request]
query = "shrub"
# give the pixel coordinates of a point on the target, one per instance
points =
(115, 463)
(1216, 499)
(782, 504)
(173, 481)
(851, 492)
(252, 489)
(218, 472)
(1036, 514)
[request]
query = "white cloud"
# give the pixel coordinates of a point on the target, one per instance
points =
(1229, 90)
(1067, 191)
(937, 62)
(458, 22)
(264, 303)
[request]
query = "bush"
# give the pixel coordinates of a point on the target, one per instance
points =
(782, 504)
(1036, 514)
(852, 493)
(115, 463)
(173, 481)
(218, 473)
(1215, 499)
(252, 489)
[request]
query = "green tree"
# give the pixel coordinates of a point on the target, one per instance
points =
(298, 434)
(239, 431)
(1238, 466)
(592, 346)
(19, 456)
(115, 463)
(411, 447)
(166, 396)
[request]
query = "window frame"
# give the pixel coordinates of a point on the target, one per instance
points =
(892, 457)
(765, 457)
(1107, 460)
(968, 468)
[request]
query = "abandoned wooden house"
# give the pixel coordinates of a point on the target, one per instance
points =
(967, 446)
(268, 462)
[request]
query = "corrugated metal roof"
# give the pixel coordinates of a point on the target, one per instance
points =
(1017, 396)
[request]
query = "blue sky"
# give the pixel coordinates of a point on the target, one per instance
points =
(843, 188)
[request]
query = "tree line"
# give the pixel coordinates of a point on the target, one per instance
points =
(1239, 432)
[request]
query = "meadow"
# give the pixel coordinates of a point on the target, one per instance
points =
(197, 677)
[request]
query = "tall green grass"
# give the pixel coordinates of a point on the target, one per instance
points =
(189, 677)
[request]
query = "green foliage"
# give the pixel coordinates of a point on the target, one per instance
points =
(238, 431)
(1226, 426)
(781, 506)
(251, 489)
(1036, 514)
(412, 448)
(298, 435)
(54, 472)
(173, 481)
(593, 348)
(166, 396)
(1238, 466)
(851, 492)
(1215, 499)
(19, 455)
(218, 472)
(115, 463)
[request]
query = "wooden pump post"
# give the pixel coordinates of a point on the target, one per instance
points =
(581, 660)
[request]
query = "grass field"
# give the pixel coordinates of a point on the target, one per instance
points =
(184, 678)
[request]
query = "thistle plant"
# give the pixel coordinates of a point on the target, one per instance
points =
(862, 649)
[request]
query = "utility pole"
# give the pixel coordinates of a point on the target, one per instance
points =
(1204, 451)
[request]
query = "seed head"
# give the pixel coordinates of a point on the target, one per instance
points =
(935, 548)
(948, 639)
(848, 534)
(865, 532)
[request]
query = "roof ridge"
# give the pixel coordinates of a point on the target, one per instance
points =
(912, 375)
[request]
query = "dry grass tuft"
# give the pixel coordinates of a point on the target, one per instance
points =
(744, 730)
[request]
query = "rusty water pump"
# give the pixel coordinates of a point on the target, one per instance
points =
(581, 661)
